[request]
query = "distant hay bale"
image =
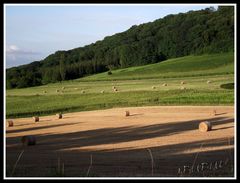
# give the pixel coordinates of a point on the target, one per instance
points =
(44, 91)
(182, 88)
(153, 87)
(205, 126)
(208, 82)
(127, 113)
(35, 118)
(214, 112)
(102, 91)
(164, 84)
(63, 88)
(82, 91)
(28, 140)
(57, 90)
(10, 123)
(182, 82)
(115, 89)
(59, 115)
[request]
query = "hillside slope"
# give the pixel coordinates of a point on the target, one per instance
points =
(203, 65)
(195, 32)
(136, 86)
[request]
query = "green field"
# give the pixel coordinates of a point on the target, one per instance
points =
(135, 88)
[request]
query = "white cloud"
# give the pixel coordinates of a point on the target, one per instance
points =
(14, 49)
(17, 56)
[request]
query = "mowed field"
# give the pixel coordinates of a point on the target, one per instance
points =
(136, 86)
(122, 146)
(160, 137)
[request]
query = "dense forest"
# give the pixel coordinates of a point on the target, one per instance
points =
(194, 32)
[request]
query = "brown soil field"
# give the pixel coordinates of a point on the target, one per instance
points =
(158, 141)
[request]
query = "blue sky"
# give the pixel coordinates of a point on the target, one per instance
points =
(34, 32)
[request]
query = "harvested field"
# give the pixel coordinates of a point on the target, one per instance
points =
(120, 146)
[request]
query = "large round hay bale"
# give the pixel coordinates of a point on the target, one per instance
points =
(127, 113)
(10, 123)
(114, 87)
(182, 88)
(44, 91)
(115, 90)
(82, 91)
(63, 88)
(153, 87)
(35, 118)
(208, 82)
(57, 91)
(59, 116)
(164, 84)
(205, 126)
(28, 140)
(102, 91)
(182, 83)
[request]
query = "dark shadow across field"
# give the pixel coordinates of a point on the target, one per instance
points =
(121, 162)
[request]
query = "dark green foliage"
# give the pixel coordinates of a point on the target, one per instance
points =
(62, 66)
(228, 86)
(195, 32)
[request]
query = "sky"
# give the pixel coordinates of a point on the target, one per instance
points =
(32, 32)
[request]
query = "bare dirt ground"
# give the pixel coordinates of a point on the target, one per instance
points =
(152, 141)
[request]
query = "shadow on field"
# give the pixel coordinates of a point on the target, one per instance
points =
(117, 135)
(136, 114)
(167, 159)
(223, 128)
(125, 134)
(218, 114)
(40, 127)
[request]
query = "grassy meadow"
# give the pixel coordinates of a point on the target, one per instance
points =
(137, 86)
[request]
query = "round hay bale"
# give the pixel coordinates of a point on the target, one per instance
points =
(35, 118)
(59, 116)
(127, 113)
(57, 91)
(63, 88)
(164, 84)
(205, 126)
(44, 91)
(28, 140)
(208, 82)
(10, 123)
(115, 89)
(153, 87)
(182, 88)
(102, 91)
(182, 83)
(214, 112)
(82, 91)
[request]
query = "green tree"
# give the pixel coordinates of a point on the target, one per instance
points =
(62, 67)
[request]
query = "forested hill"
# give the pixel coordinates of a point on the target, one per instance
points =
(194, 32)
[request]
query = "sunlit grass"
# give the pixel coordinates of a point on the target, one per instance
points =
(43, 100)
